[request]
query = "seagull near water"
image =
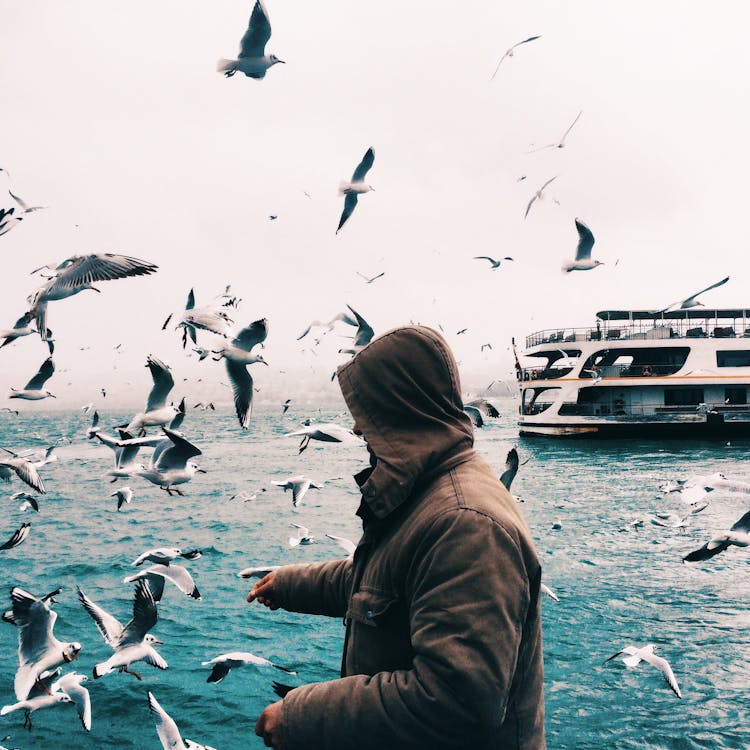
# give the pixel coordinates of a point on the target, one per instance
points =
(583, 261)
(738, 536)
(353, 189)
(212, 318)
(167, 729)
(123, 495)
(23, 469)
(561, 142)
(18, 537)
(252, 60)
(325, 432)
(646, 653)
(34, 389)
(157, 412)
(539, 195)
(224, 663)
(299, 485)
(303, 536)
(510, 52)
(158, 574)
(170, 464)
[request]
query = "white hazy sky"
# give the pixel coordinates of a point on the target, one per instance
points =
(114, 117)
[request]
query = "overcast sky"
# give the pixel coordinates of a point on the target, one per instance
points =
(114, 117)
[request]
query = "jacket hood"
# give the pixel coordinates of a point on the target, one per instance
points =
(404, 393)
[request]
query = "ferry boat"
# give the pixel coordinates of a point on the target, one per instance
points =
(683, 373)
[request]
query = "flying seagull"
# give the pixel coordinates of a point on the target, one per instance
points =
(157, 412)
(692, 301)
(353, 189)
(18, 537)
(123, 495)
(636, 655)
(299, 485)
(582, 260)
(539, 195)
(169, 734)
(370, 279)
(326, 432)
(170, 464)
(34, 389)
(510, 469)
(224, 663)
(362, 337)
(23, 469)
(494, 264)
(156, 576)
(22, 327)
(561, 142)
(9, 217)
(509, 53)
(252, 60)
(738, 535)
(212, 318)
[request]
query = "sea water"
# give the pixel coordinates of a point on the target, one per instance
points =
(615, 587)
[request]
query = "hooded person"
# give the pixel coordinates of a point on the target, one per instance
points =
(443, 645)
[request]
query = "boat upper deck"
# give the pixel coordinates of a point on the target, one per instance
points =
(617, 325)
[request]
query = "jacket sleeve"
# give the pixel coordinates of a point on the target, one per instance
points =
(315, 589)
(466, 614)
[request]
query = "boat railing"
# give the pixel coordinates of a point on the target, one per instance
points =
(596, 373)
(647, 410)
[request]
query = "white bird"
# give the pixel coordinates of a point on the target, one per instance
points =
(156, 575)
(132, 642)
(583, 260)
(39, 652)
(561, 142)
(346, 544)
(252, 60)
(165, 555)
(494, 264)
(23, 469)
(157, 412)
(303, 536)
(344, 317)
(326, 432)
(510, 51)
(125, 451)
(238, 355)
(123, 495)
(21, 328)
(539, 195)
(475, 415)
(223, 663)
(211, 318)
(202, 353)
(738, 536)
(33, 390)
(646, 653)
(370, 279)
(544, 589)
(362, 337)
(257, 572)
(29, 705)
(27, 501)
(10, 217)
(71, 685)
(18, 537)
(692, 301)
(510, 469)
(167, 730)
(353, 189)
(170, 464)
(78, 273)
(299, 485)
(672, 520)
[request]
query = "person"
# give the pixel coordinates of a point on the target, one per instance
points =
(443, 644)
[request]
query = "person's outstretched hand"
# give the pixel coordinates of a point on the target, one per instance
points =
(263, 591)
(268, 722)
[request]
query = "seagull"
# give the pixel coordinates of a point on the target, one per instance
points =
(169, 734)
(156, 412)
(32, 391)
(738, 536)
(362, 337)
(343, 316)
(486, 407)
(672, 520)
(509, 53)
(370, 279)
(208, 318)
(285, 406)
(510, 470)
(561, 142)
(41, 700)
(257, 572)
(539, 195)
(326, 432)
(21, 328)
(202, 353)
(544, 589)
(170, 463)
(636, 655)
(156, 575)
(70, 685)
(205, 407)
(353, 189)
(18, 537)
(494, 264)
(583, 260)
(126, 449)
(9, 217)
(346, 544)
(27, 501)
(24, 470)
(39, 651)
(224, 663)
(132, 642)
(123, 495)
(475, 415)
(303, 536)
(299, 485)
(78, 273)
(238, 355)
(253, 60)
(692, 301)
(165, 555)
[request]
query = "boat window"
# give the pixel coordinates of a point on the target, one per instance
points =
(683, 396)
(733, 358)
(735, 395)
(537, 400)
(636, 362)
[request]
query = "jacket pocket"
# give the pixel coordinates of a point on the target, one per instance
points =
(370, 607)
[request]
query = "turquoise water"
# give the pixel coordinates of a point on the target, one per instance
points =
(615, 588)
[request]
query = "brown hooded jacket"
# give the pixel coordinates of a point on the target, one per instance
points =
(441, 600)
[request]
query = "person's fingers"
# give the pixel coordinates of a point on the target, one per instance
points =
(260, 724)
(261, 590)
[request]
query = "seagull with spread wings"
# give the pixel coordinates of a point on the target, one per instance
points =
(583, 261)
(34, 389)
(212, 318)
(167, 730)
(10, 217)
(362, 337)
(561, 142)
(692, 300)
(539, 195)
(738, 536)
(18, 537)
(252, 60)
(170, 464)
(157, 411)
(352, 190)
(636, 655)
(494, 264)
(510, 51)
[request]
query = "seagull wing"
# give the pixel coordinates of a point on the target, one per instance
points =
(511, 469)
(346, 544)
(485, 257)
(18, 537)
(530, 204)
(585, 241)
(26, 472)
(663, 666)
(253, 43)
(530, 39)
(299, 490)
(190, 304)
(110, 627)
(242, 387)
(178, 454)
(80, 270)
(565, 134)
(697, 294)
(144, 616)
(350, 203)
(743, 524)
(45, 373)
(364, 166)
(166, 728)
(364, 330)
(176, 574)
(163, 383)
(70, 684)
(252, 335)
